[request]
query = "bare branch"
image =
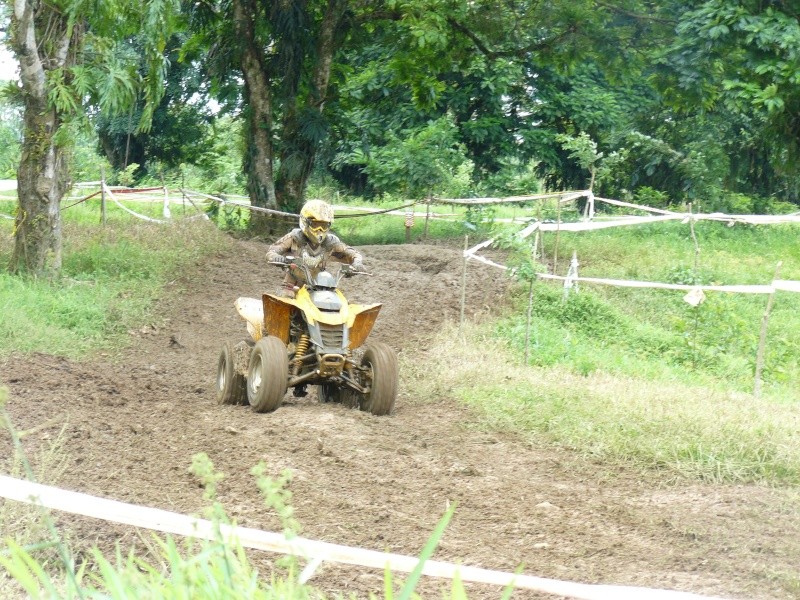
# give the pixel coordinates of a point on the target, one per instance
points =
(520, 51)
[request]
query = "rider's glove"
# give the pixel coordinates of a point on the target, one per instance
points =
(357, 265)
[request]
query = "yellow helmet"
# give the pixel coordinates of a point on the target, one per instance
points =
(316, 218)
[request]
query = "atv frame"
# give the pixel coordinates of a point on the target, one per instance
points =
(316, 338)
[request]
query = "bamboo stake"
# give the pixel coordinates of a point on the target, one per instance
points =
(528, 321)
(696, 309)
(463, 287)
(558, 235)
(166, 211)
(427, 217)
(540, 238)
(762, 340)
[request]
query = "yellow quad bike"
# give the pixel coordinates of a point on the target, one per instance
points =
(315, 338)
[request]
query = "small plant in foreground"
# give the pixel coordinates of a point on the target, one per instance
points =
(213, 568)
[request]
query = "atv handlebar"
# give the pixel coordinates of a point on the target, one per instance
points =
(292, 261)
(348, 271)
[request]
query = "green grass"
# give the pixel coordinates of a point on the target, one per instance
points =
(639, 376)
(389, 229)
(658, 423)
(110, 279)
(645, 331)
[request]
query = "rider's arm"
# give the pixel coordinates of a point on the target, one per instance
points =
(342, 252)
(279, 249)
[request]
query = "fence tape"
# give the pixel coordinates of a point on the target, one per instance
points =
(660, 211)
(269, 211)
(594, 225)
(565, 196)
(786, 286)
(316, 551)
(125, 208)
(789, 286)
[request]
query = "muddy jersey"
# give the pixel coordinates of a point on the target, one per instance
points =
(295, 243)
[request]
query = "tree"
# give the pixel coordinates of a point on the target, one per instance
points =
(181, 128)
(284, 52)
(294, 57)
(741, 59)
(512, 76)
(68, 58)
(419, 164)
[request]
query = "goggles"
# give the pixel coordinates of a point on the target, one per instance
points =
(318, 225)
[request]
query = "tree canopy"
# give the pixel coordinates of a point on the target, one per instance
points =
(686, 101)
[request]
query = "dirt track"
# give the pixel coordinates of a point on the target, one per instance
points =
(382, 483)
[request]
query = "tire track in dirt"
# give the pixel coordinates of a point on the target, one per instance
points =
(135, 420)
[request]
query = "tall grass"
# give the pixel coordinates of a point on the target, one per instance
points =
(688, 430)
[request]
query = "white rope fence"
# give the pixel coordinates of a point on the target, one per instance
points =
(108, 192)
(782, 285)
(565, 196)
(589, 222)
(315, 551)
(788, 286)
(771, 288)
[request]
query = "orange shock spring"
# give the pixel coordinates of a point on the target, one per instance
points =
(302, 347)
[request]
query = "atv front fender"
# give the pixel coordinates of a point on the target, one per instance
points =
(277, 313)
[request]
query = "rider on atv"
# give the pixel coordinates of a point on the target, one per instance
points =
(314, 242)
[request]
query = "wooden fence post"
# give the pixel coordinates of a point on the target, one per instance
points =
(427, 217)
(103, 196)
(558, 235)
(528, 320)
(762, 340)
(166, 211)
(539, 238)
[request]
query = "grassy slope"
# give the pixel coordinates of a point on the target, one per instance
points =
(640, 376)
(111, 276)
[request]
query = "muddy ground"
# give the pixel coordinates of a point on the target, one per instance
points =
(135, 420)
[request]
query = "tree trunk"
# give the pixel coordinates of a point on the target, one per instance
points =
(41, 183)
(259, 158)
(42, 172)
(298, 150)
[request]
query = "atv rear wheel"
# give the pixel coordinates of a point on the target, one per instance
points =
(267, 374)
(380, 363)
(231, 386)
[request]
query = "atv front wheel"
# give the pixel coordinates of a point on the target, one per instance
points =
(380, 363)
(231, 386)
(267, 374)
